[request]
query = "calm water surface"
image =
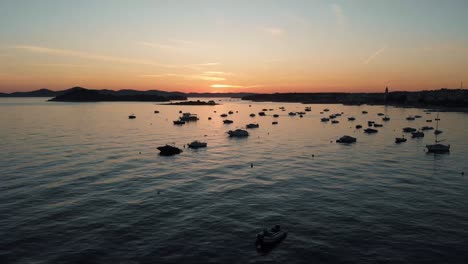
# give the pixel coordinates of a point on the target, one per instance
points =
(81, 183)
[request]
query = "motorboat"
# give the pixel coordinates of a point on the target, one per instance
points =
(308, 109)
(335, 121)
(169, 150)
(227, 121)
(269, 238)
(358, 127)
(156, 112)
(364, 112)
(326, 110)
(275, 115)
(223, 115)
(410, 118)
(417, 134)
(386, 118)
(351, 118)
(197, 144)
(274, 123)
(261, 113)
(132, 116)
(378, 125)
(429, 120)
(427, 128)
(400, 140)
(187, 117)
(292, 114)
(252, 126)
(238, 133)
(370, 123)
(346, 139)
(417, 116)
(409, 130)
(370, 130)
(252, 115)
(380, 114)
(178, 122)
(437, 132)
(324, 119)
(230, 112)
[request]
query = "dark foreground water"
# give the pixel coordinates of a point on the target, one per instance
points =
(81, 183)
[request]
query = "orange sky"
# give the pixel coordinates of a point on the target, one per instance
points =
(266, 46)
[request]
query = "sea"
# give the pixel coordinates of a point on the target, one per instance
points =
(83, 183)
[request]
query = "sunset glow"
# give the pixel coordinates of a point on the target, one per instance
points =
(315, 46)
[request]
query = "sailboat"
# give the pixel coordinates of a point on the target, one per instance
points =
(437, 147)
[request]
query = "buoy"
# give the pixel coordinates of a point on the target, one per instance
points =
(251, 165)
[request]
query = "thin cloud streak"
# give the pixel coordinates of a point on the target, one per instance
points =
(226, 86)
(185, 76)
(339, 15)
(273, 31)
(161, 46)
(99, 57)
(374, 55)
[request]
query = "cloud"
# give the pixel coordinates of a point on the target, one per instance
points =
(225, 86)
(374, 55)
(185, 76)
(162, 46)
(99, 57)
(218, 73)
(339, 15)
(273, 31)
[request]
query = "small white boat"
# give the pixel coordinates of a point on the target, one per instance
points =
(197, 144)
(437, 147)
(252, 126)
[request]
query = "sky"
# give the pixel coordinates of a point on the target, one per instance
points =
(234, 46)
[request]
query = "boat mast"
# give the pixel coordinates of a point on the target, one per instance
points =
(437, 128)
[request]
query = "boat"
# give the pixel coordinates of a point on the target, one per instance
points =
(370, 130)
(409, 129)
(386, 118)
(308, 109)
(417, 134)
(358, 127)
(335, 121)
(364, 112)
(178, 122)
(169, 150)
(252, 115)
(238, 133)
(275, 115)
(332, 116)
(437, 147)
(410, 118)
(326, 110)
(346, 139)
(417, 116)
(264, 109)
(197, 144)
(223, 115)
(378, 125)
(351, 118)
(132, 116)
(227, 121)
(252, 126)
(429, 121)
(427, 128)
(324, 119)
(261, 113)
(156, 112)
(269, 238)
(370, 123)
(274, 123)
(292, 114)
(380, 114)
(187, 117)
(400, 140)
(230, 112)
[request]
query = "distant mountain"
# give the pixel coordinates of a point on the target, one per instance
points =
(37, 93)
(79, 94)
